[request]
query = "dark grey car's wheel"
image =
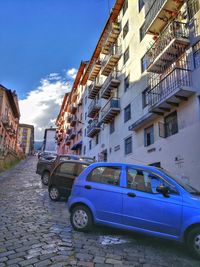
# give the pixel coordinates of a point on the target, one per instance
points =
(54, 193)
(81, 218)
(193, 242)
(45, 178)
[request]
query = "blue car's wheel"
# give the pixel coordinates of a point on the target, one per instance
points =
(81, 218)
(193, 241)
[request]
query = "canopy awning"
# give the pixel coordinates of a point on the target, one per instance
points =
(77, 145)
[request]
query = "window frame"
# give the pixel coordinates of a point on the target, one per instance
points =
(151, 127)
(126, 55)
(126, 151)
(127, 113)
(125, 29)
(140, 4)
(173, 132)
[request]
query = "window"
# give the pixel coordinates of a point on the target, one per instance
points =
(67, 168)
(126, 83)
(84, 150)
(171, 124)
(97, 139)
(128, 145)
(125, 6)
(80, 168)
(145, 181)
(149, 136)
(126, 55)
(105, 175)
(196, 54)
(85, 100)
(85, 132)
(144, 63)
(127, 113)
(85, 115)
(112, 126)
(90, 144)
(145, 97)
(125, 29)
(140, 4)
(193, 7)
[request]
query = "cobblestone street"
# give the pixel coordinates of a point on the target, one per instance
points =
(35, 231)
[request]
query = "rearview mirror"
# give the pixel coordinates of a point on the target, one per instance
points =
(163, 190)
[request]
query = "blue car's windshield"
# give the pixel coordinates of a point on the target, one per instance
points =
(183, 183)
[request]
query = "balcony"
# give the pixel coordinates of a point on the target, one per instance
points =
(95, 69)
(73, 121)
(159, 15)
(94, 88)
(111, 60)
(111, 83)
(111, 37)
(94, 107)
(73, 108)
(74, 96)
(110, 110)
(67, 141)
(170, 45)
(170, 91)
(5, 120)
(93, 128)
(72, 135)
(68, 130)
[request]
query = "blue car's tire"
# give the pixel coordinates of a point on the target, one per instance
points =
(81, 218)
(193, 241)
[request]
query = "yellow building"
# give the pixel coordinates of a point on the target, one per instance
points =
(26, 138)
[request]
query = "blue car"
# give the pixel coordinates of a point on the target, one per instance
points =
(139, 198)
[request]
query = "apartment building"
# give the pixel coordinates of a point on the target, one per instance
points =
(26, 138)
(141, 96)
(69, 121)
(9, 121)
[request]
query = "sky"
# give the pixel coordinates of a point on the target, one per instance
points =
(41, 45)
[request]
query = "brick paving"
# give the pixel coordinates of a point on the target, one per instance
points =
(34, 231)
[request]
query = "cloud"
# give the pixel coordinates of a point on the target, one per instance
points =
(72, 73)
(42, 105)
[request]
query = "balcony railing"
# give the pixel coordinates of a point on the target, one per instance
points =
(73, 121)
(112, 82)
(72, 135)
(111, 60)
(5, 120)
(168, 47)
(111, 37)
(94, 107)
(68, 130)
(95, 69)
(159, 15)
(73, 108)
(94, 88)
(170, 90)
(67, 141)
(110, 110)
(93, 128)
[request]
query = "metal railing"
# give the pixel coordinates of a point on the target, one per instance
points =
(113, 51)
(96, 62)
(175, 29)
(112, 103)
(94, 124)
(112, 75)
(113, 27)
(94, 104)
(96, 82)
(152, 12)
(171, 83)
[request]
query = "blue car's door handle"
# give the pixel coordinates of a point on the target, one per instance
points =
(88, 187)
(131, 194)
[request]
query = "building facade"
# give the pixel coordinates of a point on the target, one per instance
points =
(26, 138)
(9, 121)
(141, 93)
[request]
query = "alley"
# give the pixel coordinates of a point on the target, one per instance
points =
(35, 231)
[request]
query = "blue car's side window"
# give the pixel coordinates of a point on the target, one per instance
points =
(105, 175)
(145, 181)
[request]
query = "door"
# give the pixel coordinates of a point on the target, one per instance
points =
(144, 208)
(64, 174)
(102, 189)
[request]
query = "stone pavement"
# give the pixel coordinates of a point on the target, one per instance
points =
(34, 231)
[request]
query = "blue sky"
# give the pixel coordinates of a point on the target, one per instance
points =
(42, 44)
(39, 37)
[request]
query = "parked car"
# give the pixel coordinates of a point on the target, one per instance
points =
(46, 164)
(62, 178)
(140, 198)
